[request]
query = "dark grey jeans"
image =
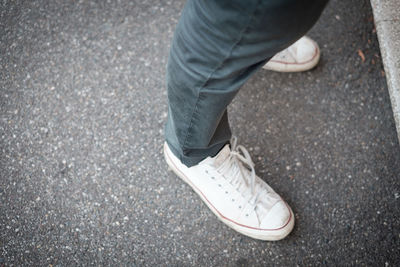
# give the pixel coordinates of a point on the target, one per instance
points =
(217, 46)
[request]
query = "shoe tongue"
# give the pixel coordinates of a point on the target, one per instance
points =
(222, 155)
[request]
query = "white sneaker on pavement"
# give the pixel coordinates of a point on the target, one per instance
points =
(301, 56)
(227, 183)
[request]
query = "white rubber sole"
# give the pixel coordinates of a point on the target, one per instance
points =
(261, 234)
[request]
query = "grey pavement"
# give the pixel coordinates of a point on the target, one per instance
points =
(387, 21)
(82, 175)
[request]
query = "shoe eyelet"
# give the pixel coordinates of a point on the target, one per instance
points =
(212, 177)
(233, 200)
(219, 185)
(247, 215)
(206, 171)
(240, 207)
(226, 192)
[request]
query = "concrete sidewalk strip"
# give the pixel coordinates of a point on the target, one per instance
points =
(387, 21)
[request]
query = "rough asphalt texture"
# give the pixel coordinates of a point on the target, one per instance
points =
(83, 180)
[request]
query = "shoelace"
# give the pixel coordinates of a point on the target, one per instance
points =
(240, 167)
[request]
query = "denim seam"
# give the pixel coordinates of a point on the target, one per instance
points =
(212, 73)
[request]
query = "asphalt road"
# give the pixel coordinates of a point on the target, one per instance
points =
(82, 175)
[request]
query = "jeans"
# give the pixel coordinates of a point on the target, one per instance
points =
(217, 46)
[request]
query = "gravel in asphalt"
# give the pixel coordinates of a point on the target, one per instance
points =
(82, 176)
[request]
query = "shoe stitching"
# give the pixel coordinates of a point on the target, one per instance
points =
(298, 63)
(228, 219)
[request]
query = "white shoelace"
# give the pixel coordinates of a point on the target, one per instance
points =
(239, 168)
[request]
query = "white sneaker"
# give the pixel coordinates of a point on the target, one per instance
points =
(227, 183)
(301, 56)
